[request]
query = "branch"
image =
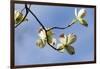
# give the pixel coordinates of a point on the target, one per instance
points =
(61, 27)
(36, 18)
(24, 8)
(42, 27)
(48, 41)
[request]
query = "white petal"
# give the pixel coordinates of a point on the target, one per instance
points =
(76, 12)
(42, 34)
(71, 39)
(63, 39)
(82, 13)
(40, 43)
(16, 14)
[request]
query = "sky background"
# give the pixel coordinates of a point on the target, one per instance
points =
(26, 51)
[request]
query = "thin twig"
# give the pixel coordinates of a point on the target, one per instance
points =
(24, 8)
(61, 27)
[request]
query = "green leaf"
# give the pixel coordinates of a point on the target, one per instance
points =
(70, 50)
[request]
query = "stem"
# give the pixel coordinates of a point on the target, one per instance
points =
(61, 27)
(42, 27)
(22, 10)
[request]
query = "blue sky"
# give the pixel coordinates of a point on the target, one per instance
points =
(26, 51)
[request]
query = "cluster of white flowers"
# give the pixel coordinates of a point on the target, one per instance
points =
(66, 41)
(43, 38)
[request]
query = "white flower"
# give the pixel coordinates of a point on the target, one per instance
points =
(80, 15)
(65, 42)
(18, 17)
(42, 35)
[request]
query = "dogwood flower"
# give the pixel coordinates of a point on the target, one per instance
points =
(65, 43)
(43, 39)
(80, 16)
(18, 17)
(81, 13)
